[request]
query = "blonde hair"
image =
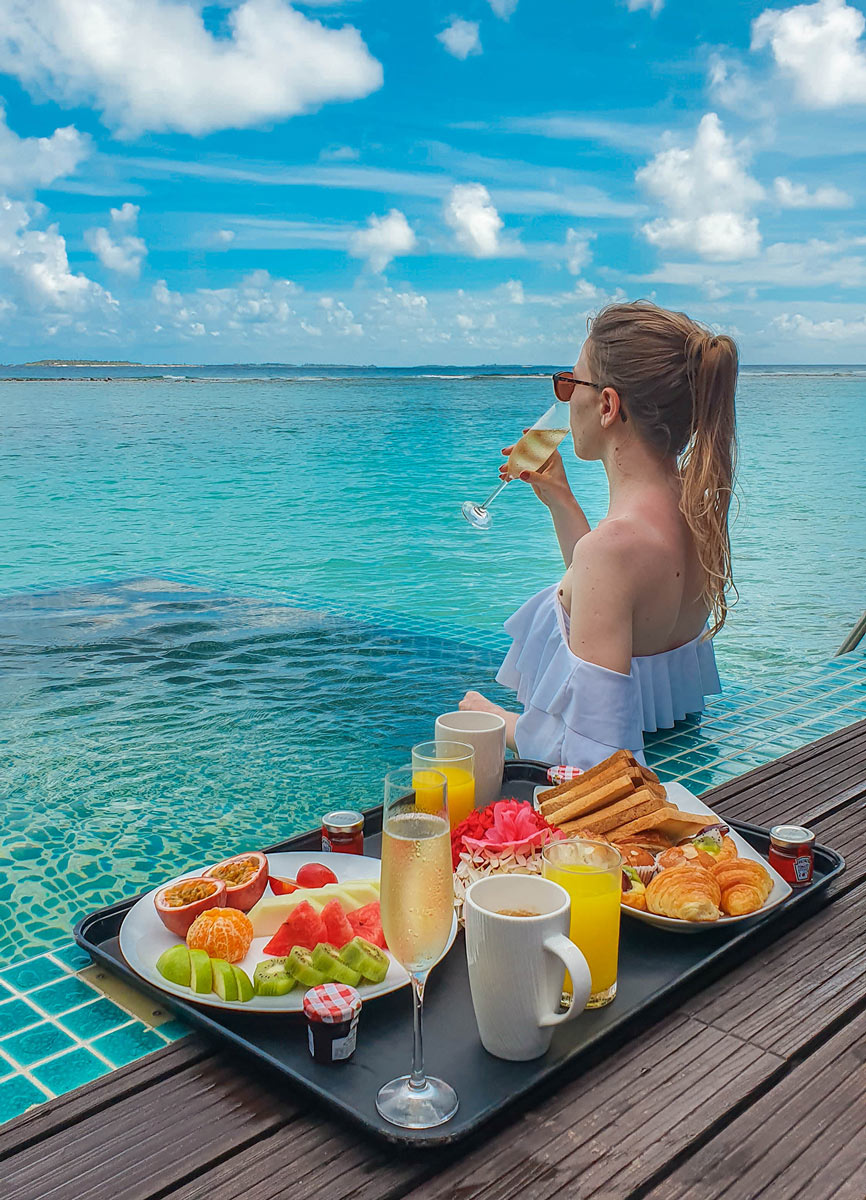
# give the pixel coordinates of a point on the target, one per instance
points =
(676, 381)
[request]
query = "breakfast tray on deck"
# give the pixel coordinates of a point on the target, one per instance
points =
(656, 970)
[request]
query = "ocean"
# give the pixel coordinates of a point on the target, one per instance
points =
(232, 596)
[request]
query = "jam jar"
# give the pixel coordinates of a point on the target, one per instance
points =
(791, 853)
(343, 832)
(332, 1011)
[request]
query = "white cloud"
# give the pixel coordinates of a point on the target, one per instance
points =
(461, 38)
(819, 47)
(339, 154)
(797, 195)
(708, 194)
(27, 163)
(834, 330)
(258, 306)
(655, 6)
(225, 236)
(122, 251)
(577, 251)
(503, 8)
(384, 238)
(787, 265)
(152, 64)
(340, 317)
(469, 211)
(514, 291)
(37, 261)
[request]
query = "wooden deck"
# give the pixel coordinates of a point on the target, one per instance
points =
(752, 1088)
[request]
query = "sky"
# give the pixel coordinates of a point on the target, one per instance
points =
(393, 183)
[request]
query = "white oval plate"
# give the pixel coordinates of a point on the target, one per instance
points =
(143, 937)
(686, 801)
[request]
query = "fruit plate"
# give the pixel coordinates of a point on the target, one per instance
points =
(686, 801)
(143, 937)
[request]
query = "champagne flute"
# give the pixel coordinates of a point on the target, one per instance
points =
(528, 454)
(417, 905)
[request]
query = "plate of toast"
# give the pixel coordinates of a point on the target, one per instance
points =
(684, 869)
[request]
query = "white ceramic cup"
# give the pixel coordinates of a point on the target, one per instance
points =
(517, 964)
(485, 733)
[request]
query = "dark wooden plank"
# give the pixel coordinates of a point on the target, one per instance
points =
(804, 1138)
(171, 1130)
(796, 987)
(819, 785)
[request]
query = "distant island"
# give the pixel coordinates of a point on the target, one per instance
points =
(80, 362)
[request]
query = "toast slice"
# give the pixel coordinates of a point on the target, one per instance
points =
(682, 825)
(652, 781)
(619, 760)
(606, 791)
(651, 820)
(623, 812)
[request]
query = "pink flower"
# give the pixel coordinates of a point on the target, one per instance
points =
(516, 827)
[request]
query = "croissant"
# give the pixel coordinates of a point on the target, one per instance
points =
(689, 893)
(745, 885)
(728, 850)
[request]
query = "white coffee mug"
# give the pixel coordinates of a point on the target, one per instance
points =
(517, 963)
(485, 733)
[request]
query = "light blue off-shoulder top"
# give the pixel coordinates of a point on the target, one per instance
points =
(577, 713)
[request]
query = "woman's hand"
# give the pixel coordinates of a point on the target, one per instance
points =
(549, 483)
(475, 702)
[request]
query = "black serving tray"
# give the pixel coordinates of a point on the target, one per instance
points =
(657, 969)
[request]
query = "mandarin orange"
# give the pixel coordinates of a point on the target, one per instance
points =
(222, 933)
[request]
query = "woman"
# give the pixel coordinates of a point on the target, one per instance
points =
(621, 644)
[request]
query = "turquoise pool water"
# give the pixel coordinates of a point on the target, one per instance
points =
(224, 603)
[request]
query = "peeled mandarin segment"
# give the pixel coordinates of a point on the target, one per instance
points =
(223, 933)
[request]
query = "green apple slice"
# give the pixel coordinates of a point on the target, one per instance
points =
(173, 965)
(224, 983)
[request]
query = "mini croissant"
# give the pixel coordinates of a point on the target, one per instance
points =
(745, 885)
(689, 893)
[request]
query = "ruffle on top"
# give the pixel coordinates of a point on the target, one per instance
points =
(577, 712)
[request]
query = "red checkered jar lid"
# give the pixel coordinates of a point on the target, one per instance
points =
(332, 1003)
(562, 774)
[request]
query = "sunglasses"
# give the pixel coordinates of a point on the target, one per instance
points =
(564, 384)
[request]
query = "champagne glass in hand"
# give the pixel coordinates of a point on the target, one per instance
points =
(528, 454)
(417, 905)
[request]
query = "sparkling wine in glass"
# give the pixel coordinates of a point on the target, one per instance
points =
(417, 906)
(529, 454)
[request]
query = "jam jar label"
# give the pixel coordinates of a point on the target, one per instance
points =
(326, 845)
(803, 868)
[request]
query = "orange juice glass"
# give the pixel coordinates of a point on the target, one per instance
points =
(456, 761)
(591, 873)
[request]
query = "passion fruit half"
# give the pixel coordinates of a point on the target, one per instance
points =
(178, 904)
(245, 877)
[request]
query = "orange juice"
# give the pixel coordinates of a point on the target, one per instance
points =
(461, 792)
(595, 900)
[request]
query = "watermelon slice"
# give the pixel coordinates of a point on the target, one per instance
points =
(303, 927)
(282, 887)
(367, 923)
(338, 928)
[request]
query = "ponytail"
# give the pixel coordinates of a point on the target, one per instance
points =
(707, 464)
(677, 381)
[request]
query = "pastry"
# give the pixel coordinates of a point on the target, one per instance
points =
(633, 889)
(685, 856)
(639, 859)
(687, 893)
(745, 885)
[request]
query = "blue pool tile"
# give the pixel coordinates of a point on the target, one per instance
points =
(125, 1045)
(28, 975)
(70, 1070)
(17, 1095)
(37, 1043)
(174, 1029)
(72, 956)
(94, 1019)
(59, 997)
(15, 1015)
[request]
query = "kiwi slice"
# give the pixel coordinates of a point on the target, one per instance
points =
(173, 965)
(201, 972)
(271, 978)
(224, 983)
(326, 958)
(300, 964)
(244, 984)
(362, 956)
